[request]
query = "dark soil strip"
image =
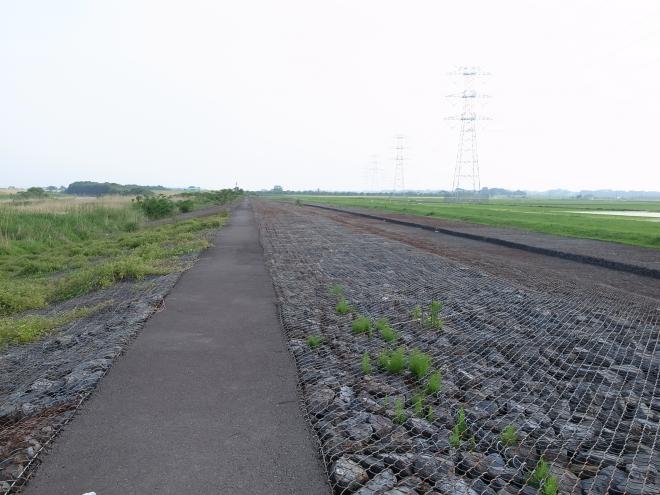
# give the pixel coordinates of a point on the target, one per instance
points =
(591, 260)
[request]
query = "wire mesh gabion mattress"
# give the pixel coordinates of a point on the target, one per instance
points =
(505, 389)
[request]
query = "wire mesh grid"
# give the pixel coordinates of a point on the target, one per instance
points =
(541, 391)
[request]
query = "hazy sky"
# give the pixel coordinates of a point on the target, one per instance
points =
(303, 93)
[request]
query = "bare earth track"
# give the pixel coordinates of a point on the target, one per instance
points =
(567, 353)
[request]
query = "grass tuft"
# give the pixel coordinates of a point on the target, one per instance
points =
(343, 308)
(385, 330)
(366, 363)
(433, 319)
(434, 383)
(361, 324)
(509, 436)
(418, 405)
(313, 341)
(399, 412)
(419, 363)
(393, 361)
(337, 291)
(460, 430)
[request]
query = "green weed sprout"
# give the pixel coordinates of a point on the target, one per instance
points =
(361, 324)
(366, 363)
(429, 414)
(435, 383)
(418, 405)
(460, 429)
(399, 412)
(550, 486)
(393, 361)
(541, 478)
(313, 341)
(454, 438)
(385, 330)
(461, 422)
(419, 363)
(433, 320)
(343, 308)
(416, 313)
(337, 291)
(509, 436)
(540, 473)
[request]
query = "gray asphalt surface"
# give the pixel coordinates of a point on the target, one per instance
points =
(203, 402)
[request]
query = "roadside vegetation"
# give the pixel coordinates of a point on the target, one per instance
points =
(561, 217)
(51, 256)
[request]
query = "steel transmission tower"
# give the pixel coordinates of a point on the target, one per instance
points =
(372, 172)
(466, 180)
(399, 184)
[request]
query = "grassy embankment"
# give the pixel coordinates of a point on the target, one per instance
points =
(561, 217)
(58, 251)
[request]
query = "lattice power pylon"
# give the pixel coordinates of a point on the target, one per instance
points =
(399, 183)
(372, 173)
(466, 182)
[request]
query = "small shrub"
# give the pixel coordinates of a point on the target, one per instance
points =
(393, 361)
(435, 383)
(399, 412)
(313, 341)
(298, 202)
(343, 307)
(156, 206)
(185, 206)
(366, 363)
(361, 324)
(131, 226)
(385, 330)
(419, 363)
(509, 436)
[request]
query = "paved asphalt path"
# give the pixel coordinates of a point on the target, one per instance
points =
(203, 402)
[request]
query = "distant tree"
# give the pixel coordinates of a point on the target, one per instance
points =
(31, 193)
(277, 189)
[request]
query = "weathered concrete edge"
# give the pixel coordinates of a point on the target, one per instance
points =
(581, 258)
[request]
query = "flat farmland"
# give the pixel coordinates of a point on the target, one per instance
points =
(629, 222)
(431, 364)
